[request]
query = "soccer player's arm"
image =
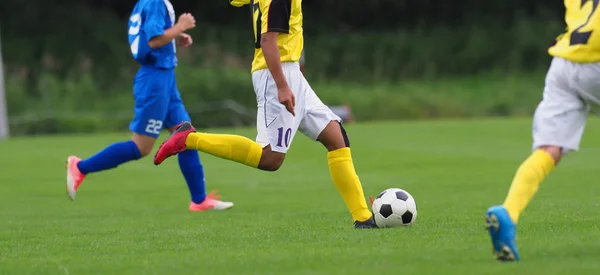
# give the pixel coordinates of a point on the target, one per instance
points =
(275, 20)
(154, 25)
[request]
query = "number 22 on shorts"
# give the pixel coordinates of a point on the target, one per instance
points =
(154, 126)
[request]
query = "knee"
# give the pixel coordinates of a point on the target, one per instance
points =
(144, 144)
(270, 166)
(554, 151)
(334, 136)
(271, 161)
(144, 150)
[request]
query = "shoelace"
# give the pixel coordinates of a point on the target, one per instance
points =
(213, 194)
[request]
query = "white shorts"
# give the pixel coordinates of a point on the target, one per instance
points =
(275, 125)
(571, 89)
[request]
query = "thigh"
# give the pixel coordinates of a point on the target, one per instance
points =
(176, 111)
(560, 118)
(275, 125)
(151, 106)
(317, 115)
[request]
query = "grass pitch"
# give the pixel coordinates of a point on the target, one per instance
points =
(134, 219)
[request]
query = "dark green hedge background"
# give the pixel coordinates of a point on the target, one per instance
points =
(71, 56)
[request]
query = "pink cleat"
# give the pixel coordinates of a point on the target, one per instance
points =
(74, 176)
(211, 203)
(175, 143)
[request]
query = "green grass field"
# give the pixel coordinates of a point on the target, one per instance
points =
(134, 219)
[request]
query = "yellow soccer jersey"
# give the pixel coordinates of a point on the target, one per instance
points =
(581, 42)
(284, 17)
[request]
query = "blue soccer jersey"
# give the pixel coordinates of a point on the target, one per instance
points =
(158, 104)
(149, 19)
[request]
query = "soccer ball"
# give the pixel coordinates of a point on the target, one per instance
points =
(394, 207)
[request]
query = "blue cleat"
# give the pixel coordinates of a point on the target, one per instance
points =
(502, 231)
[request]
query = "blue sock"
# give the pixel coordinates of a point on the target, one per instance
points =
(111, 157)
(193, 172)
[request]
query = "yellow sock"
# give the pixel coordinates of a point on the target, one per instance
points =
(237, 148)
(347, 182)
(526, 182)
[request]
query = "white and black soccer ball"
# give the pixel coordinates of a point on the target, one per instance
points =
(394, 207)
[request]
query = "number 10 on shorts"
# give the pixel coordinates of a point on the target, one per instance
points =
(283, 137)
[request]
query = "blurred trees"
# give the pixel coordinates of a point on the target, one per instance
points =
(345, 38)
(72, 55)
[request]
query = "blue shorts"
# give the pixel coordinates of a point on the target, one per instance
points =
(158, 103)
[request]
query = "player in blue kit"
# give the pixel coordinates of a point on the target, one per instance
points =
(153, 36)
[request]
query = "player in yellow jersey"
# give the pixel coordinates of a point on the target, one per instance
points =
(572, 87)
(286, 103)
